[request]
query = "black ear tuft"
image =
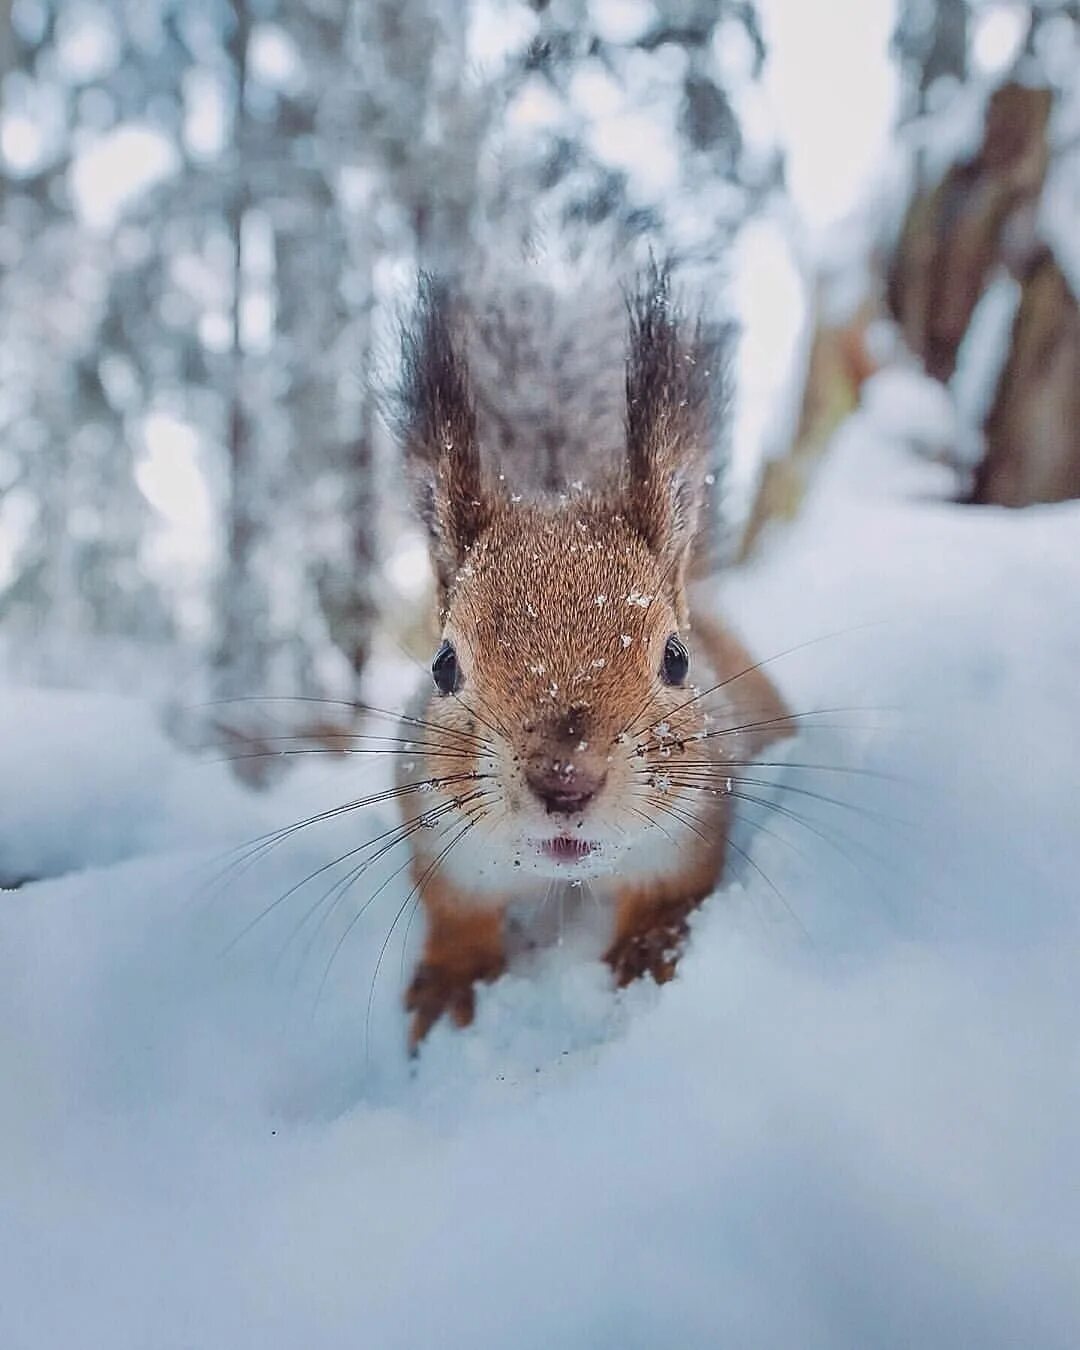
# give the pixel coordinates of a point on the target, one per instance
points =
(671, 385)
(437, 427)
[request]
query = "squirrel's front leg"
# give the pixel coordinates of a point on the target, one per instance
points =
(651, 926)
(464, 944)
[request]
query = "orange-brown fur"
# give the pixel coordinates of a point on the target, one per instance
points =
(462, 946)
(559, 609)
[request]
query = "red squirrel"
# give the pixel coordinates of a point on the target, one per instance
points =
(580, 725)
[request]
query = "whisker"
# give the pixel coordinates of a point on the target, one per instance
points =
(760, 665)
(721, 768)
(351, 925)
(471, 711)
(730, 842)
(840, 803)
(677, 778)
(499, 731)
(688, 818)
(466, 737)
(485, 799)
(773, 834)
(812, 827)
(738, 791)
(587, 886)
(496, 728)
(792, 717)
(254, 849)
(368, 709)
(402, 829)
(405, 946)
(372, 799)
(540, 905)
(652, 824)
(347, 752)
(773, 887)
(342, 888)
(382, 738)
(416, 891)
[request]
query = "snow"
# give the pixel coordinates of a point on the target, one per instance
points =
(997, 38)
(90, 779)
(907, 407)
(110, 174)
(770, 298)
(31, 126)
(169, 477)
(850, 40)
(853, 1123)
(1061, 193)
(88, 45)
(981, 360)
(275, 60)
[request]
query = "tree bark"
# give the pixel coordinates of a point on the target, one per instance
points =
(1033, 430)
(954, 235)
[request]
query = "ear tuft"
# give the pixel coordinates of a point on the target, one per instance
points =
(670, 408)
(437, 428)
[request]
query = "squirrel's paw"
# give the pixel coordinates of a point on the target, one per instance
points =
(652, 951)
(436, 990)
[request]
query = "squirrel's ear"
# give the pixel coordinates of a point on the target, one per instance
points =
(669, 422)
(437, 421)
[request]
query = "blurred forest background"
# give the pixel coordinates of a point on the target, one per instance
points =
(210, 211)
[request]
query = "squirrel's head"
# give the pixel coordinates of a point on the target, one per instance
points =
(562, 675)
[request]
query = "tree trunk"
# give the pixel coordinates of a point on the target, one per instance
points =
(1033, 430)
(954, 235)
(980, 218)
(240, 658)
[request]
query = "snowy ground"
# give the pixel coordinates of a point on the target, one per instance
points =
(850, 1124)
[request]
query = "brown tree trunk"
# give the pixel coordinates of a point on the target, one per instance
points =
(980, 218)
(954, 235)
(1033, 430)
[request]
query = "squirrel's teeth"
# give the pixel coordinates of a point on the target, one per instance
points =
(566, 849)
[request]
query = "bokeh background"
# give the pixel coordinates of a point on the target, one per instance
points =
(211, 213)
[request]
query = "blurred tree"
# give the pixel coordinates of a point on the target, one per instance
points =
(931, 43)
(953, 235)
(249, 208)
(997, 212)
(70, 512)
(209, 212)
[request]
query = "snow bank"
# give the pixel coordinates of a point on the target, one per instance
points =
(91, 779)
(853, 1124)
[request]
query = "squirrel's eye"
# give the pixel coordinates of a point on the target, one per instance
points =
(676, 660)
(444, 669)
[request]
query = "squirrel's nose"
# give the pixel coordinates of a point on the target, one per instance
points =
(564, 788)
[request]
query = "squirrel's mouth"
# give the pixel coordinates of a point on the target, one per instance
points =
(564, 849)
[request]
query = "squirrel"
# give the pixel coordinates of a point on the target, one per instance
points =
(561, 739)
